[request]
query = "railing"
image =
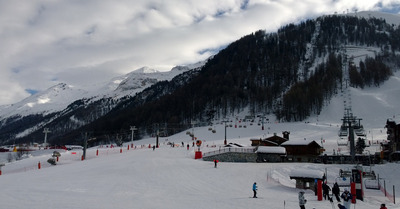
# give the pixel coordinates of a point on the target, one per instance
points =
(230, 149)
(383, 188)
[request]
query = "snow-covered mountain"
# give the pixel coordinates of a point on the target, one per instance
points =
(51, 100)
(60, 102)
(58, 97)
(136, 81)
(142, 178)
(390, 18)
(73, 108)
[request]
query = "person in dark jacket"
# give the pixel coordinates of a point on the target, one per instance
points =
(255, 190)
(215, 163)
(336, 191)
(325, 190)
(347, 197)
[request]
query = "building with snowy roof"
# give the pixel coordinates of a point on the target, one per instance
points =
(306, 178)
(270, 154)
(302, 150)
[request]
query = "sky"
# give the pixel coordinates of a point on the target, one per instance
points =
(82, 43)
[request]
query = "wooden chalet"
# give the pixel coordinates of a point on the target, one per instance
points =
(302, 150)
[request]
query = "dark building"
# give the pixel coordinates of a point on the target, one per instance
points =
(391, 150)
(302, 150)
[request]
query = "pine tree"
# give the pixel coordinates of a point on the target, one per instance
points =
(360, 145)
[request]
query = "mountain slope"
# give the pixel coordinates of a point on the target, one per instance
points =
(71, 108)
(51, 100)
(292, 74)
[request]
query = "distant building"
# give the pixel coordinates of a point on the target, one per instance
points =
(295, 150)
(302, 150)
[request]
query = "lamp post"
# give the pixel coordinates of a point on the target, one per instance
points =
(193, 123)
(45, 131)
(369, 157)
(262, 122)
(225, 142)
(133, 129)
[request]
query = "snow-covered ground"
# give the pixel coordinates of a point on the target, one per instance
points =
(170, 177)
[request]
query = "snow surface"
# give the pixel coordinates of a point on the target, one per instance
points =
(170, 178)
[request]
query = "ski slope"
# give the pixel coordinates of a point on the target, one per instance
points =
(170, 177)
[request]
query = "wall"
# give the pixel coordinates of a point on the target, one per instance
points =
(233, 157)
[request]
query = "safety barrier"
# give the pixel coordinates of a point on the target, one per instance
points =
(383, 189)
(230, 149)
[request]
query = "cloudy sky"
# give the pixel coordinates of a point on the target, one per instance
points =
(46, 42)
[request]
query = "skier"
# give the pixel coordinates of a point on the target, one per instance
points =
(383, 206)
(340, 206)
(215, 163)
(255, 190)
(336, 191)
(326, 189)
(302, 200)
(347, 197)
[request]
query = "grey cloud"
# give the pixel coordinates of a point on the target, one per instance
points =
(44, 42)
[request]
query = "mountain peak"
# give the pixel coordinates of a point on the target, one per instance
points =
(388, 17)
(145, 70)
(45, 101)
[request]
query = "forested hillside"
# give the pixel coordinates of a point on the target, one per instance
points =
(292, 73)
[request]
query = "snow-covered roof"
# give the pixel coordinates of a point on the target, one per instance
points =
(271, 142)
(299, 142)
(306, 173)
(272, 150)
(234, 145)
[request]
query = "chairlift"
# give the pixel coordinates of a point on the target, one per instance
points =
(372, 184)
(360, 132)
(343, 133)
(342, 142)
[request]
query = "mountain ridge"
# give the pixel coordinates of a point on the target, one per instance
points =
(243, 75)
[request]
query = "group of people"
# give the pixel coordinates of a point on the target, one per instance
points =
(346, 196)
